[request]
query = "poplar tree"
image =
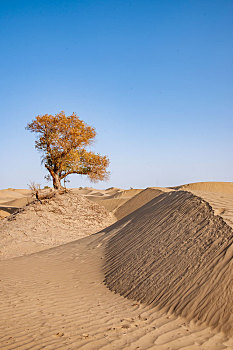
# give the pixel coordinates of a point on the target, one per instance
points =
(63, 140)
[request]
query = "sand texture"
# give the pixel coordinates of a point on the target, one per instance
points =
(56, 299)
(56, 221)
(222, 204)
(13, 199)
(113, 199)
(171, 259)
(138, 201)
(219, 187)
(174, 253)
(4, 213)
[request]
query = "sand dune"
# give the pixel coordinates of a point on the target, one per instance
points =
(23, 191)
(111, 204)
(18, 203)
(127, 193)
(13, 199)
(9, 195)
(218, 194)
(138, 200)
(174, 253)
(112, 199)
(222, 204)
(84, 191)
(211, 186)
(56, 299)
(60, 220)
(113, 189)
(172, 256)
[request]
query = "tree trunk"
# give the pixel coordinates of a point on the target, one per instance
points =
(56, 181)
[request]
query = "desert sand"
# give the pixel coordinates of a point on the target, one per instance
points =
(56, 221)
(159, 277)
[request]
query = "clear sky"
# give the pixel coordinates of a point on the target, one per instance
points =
(154, 77)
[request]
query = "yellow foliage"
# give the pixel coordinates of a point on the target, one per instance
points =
(63, 140)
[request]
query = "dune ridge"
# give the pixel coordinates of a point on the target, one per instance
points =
(9, 195)
(208, 186)
(138, 200)
(111, 199)
(174, 253)
(56, 298)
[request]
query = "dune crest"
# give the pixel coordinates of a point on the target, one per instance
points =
(138, 200)
(175, 254)
(209, 186)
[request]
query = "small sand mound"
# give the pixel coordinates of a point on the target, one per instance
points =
(174, 253)
(222, 187)
(138, 200)
(59, 220)
(4, 213)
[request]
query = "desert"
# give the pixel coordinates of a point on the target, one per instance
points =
(155, 273)
(116, 186)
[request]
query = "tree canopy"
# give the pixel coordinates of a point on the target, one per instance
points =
(63, 141)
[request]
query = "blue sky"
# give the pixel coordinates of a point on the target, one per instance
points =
(155, 78)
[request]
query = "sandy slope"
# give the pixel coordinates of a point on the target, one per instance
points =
(211, 186)
(18, 203)
(53, 222)
(12, 199)
(176, 254)
(111, 204)
(3, 213)
(218, 194)
(222, 203)
(56, 300)
(138, 200)
(12, 194)
(113, 199)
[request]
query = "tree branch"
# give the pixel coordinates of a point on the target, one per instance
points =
(74, 172)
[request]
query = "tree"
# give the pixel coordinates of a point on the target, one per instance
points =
(63, 140)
